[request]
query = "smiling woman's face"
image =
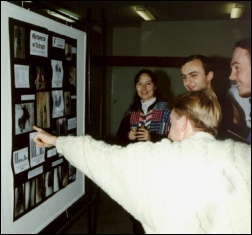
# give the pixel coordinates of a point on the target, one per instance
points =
(145, 87)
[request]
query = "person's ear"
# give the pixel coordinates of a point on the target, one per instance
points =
(210, 75)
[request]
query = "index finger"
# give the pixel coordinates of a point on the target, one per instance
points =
(37, 128)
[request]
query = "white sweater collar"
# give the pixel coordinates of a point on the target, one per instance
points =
(146, 105)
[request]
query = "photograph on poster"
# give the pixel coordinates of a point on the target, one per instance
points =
(56, 178)
(64, 174)
(43, 109)
(71, 79)
(19, 200)
(19, 42)
(40, 81)
(71, 173)
(68, 52)
(67, 99)
(48, 183)
(61, 126)
(30, 194)
(58, 103)
(24, 117)
(20, 160)
(57, 73)
(40, 188)
(37, 155)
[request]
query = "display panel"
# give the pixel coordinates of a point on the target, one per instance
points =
(43, 63)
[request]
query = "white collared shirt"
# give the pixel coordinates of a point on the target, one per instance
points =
(146, 105)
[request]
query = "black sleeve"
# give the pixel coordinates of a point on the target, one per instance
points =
(157, 137)
(227, 128)
(122, 133)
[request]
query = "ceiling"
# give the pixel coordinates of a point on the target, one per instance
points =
(121, 14)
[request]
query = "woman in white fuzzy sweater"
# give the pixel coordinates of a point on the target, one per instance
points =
(193, 184)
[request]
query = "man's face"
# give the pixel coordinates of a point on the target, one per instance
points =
(194, 76)
(241, 71)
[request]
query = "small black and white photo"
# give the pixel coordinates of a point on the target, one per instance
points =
(61, 126)
(68, 52)
(19, 198)
(56, 178)
(24, 118)
(71, 173)
(40, 188)
(58, 103)
(48, 183)
(67, 102)
(57, 74)
(30, 194)
(71, 79)
(64, 174)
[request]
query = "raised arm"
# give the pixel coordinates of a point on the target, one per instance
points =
(44, 139)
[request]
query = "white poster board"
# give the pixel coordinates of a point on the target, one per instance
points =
(38, 218)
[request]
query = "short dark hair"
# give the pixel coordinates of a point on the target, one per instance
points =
(244, 44)
(205, 62)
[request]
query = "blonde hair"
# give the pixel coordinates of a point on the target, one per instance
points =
(201, 108)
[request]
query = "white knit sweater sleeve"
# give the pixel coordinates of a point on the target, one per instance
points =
(118, 171)
(199, 185)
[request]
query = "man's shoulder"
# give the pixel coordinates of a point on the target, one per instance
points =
(233, 94)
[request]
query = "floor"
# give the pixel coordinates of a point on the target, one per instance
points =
(112, 219)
